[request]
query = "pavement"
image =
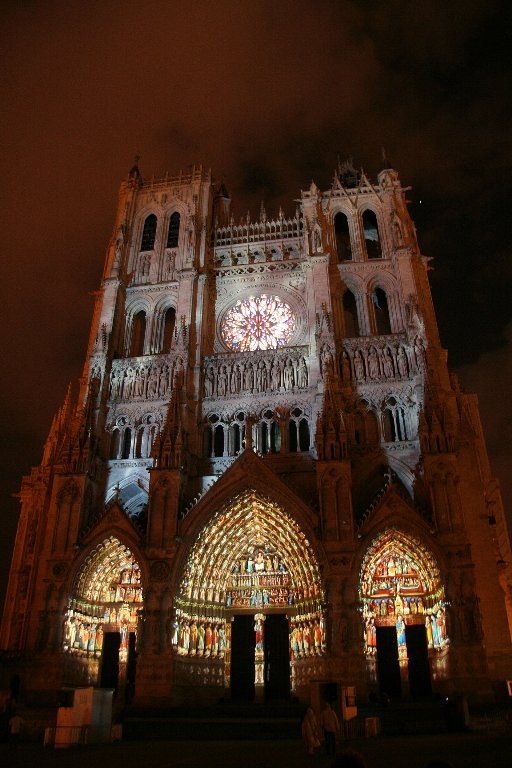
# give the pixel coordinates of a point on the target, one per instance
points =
(480, 748)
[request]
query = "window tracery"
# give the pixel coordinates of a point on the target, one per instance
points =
(258, 323)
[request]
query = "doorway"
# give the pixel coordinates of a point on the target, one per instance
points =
(420, 685)
(277, 662)
(110, 660)
(242, 658)
(388, 668)
(274, 674)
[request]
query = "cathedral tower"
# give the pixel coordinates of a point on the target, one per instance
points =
(269, 475)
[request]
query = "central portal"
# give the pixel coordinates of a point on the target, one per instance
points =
(249, 613)
(260, 663)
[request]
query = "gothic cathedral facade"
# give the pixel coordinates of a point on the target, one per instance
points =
(269, 475)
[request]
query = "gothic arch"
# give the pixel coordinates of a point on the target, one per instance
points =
(137, 326)
(371, 230)
(343, 228)
(106, 596)
(385, 285)
(149, 231)
(351, 320)
(174, 228)
(248, 557)
(400, 585)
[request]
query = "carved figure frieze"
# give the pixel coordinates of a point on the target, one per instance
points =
(268, 371)
(378, 360)
(144, 378)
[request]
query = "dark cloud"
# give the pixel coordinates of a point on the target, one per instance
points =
(268, 95)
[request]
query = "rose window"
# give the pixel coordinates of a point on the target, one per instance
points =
(259, 322)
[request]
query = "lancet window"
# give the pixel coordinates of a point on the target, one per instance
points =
(149, 233)
(168, 329)
(381, 312)
(146, 436)
(298, 431)
(342, 235)
(216, 437)
(174, 230)
(371, 235)
(395, 427)
(137, 335)
(268, 434)
(350, 316)
(126, 444)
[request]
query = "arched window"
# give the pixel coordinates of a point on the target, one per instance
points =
(388, 426)
(395, 427)
(292, 436)
(127, 442)
(372, 428)
(138, 443)
(269, 435)
(350, 315)
(275, 437)
(169, 323)
(218, 440)
(236, 438)
(371, 235)
(149, 233)
(298, 432)
(115, 443)
(342, 234)
(381, 312)
(138, 334)
(174, 230)
(303, 435)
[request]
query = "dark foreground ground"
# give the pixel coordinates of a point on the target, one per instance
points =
(486, 748)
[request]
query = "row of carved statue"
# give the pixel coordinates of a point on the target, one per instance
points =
(267, 373)
(264, 375)
(143, 381)
(377, 362)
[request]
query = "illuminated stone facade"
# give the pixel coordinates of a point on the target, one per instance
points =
(269, 476)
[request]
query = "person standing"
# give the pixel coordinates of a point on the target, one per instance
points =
(331, 726)
(15, 726)
(310, 734)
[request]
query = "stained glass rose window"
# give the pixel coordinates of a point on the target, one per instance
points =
(258, 322)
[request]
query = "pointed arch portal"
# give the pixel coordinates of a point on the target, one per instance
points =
(403, 605)
(250, 589)
(103, 611)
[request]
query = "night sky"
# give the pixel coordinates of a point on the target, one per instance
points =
(269, 95)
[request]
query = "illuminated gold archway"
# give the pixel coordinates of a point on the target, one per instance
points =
(250, 557)
(106, 597)
(400, 585)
